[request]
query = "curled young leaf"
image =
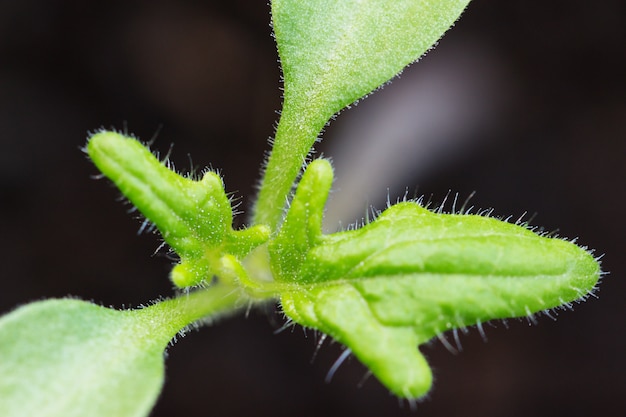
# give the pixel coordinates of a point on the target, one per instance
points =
(412, 274)
(194, 216)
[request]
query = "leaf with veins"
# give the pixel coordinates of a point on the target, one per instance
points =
(413, 274)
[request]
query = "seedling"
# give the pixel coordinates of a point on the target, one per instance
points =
(381, 289)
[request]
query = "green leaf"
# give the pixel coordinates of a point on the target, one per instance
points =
(194, 216)
(413, 274)
(64, 358)
(72, 358)
(333, 53)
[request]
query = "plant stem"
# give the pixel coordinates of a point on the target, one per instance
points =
(295, 135)
(176, 313)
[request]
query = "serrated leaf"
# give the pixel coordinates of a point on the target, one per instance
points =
(194, 216)
(412, 274)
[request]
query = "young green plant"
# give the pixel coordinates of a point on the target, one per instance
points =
(381, 290)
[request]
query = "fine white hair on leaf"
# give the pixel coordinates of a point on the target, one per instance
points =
(457, 340)
(97, 176)
(519, 221)
(463, 209)
(143, 227)
(364, 379)
(481, 331)
(530, 317)
(288, 324)
(412, 402)
(333, 369)
(154, 136)
(318, 346)
(441, 207)
(444, 341)
(454, 201)
(550, 313)
(248, 309)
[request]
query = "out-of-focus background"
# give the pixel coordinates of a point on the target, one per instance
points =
(523, 102)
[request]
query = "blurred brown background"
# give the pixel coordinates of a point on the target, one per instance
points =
(535, 121)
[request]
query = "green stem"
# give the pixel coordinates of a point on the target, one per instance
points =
(172, 315)
(295, 135)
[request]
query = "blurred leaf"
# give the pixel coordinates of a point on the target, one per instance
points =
(72, 358)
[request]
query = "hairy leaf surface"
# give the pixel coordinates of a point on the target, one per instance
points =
(72, 358)
(332, 53)
(66, 357)
(412, 274)
(194, 216)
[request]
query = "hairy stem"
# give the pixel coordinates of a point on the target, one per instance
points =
(179, 312)
(295, 135)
